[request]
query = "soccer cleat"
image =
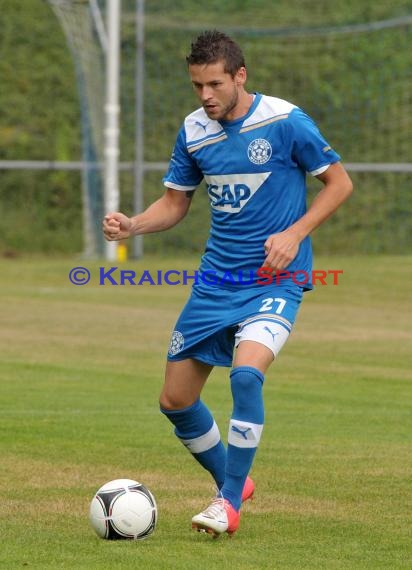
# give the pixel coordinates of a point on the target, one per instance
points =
(248, 489)
(217, 518)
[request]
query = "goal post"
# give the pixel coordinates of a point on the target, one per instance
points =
(92, 30)
(112, 110)
(352, 75)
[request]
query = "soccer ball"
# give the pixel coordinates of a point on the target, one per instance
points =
(123, 509)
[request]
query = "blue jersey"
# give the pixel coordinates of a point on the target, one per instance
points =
(255, 170)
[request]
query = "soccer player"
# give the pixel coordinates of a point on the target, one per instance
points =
(253, 151)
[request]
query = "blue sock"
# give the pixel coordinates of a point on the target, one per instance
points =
(245, 430)
(197, 430)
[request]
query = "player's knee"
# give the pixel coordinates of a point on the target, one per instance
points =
(168, 403)
(172, 402)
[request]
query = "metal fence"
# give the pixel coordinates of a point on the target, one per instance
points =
(353, 78)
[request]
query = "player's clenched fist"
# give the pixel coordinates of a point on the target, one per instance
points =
(116, 226)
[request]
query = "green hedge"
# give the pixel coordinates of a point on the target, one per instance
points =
(356, 86)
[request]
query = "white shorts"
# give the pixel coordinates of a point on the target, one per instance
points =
(270, 331)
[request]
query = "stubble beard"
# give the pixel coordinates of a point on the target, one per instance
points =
(222, 115)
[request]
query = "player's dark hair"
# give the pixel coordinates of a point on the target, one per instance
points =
(213, 46)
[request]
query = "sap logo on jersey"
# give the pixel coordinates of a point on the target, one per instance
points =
(230, 192)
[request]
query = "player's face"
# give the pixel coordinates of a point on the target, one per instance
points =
(219, 92)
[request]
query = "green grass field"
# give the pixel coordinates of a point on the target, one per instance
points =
(81, 368)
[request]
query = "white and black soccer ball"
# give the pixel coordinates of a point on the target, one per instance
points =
(123, 509)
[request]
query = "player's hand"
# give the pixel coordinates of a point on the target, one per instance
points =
(116, 226)
(281, 249)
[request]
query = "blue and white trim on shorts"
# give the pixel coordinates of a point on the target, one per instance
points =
(270, 330)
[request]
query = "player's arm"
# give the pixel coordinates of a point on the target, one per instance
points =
(282, 248)
(159, 216)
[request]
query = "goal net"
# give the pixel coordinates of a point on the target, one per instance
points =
(352, 74)
(83, 25)
(353, 78)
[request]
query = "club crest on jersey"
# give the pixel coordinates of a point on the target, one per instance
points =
(259, 151)
(177, 343)
(231, 192)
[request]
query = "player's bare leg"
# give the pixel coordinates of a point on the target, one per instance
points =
(251, 353)
(184, 381)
